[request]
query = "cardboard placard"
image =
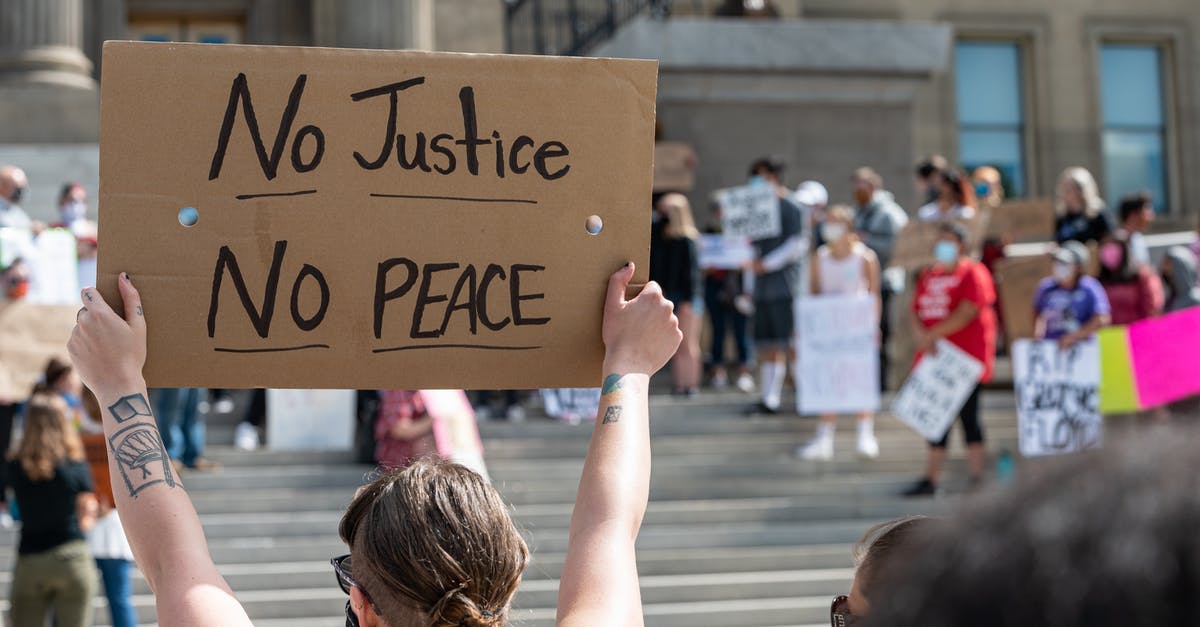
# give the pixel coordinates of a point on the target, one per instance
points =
(371, 219)
(750, 211)
(914, 244)
(1017, 279)
(837, 354)
(1058, 400)
(29, 336)
(936, 390)
(724, 252)
(1023, 221)
(674, 167)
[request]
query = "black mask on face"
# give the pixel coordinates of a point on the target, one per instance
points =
(17, 194)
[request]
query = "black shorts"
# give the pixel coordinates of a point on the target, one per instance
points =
(972, 428)
(774, 322)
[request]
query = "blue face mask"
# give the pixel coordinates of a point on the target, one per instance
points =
(758, 179)
(945, 252)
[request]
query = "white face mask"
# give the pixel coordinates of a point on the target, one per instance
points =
(833, 231)
(1063, 272)
(74, 210)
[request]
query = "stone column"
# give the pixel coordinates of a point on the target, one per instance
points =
(47, 93)
(386, 24)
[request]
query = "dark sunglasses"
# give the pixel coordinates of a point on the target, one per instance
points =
(839, 612)
(342, 569)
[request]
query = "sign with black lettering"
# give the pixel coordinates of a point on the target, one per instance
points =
(323, 218)
(936, 390)
(837, 354)
(1058, 400)
(751, 211)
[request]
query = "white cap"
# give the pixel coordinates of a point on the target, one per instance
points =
(811, 193)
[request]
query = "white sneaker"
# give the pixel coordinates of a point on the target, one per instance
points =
(745, 383)
(868, 446)
(223, 406)
(246, 437)
(720, 380)
(818, 449)
(483, 413)
(516, 413)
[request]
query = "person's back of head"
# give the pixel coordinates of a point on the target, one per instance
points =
(1101, 539)
(48, 439)
(931, 166)
(433, 545)
(1134, 208)
(1077, 192)
(881, 544)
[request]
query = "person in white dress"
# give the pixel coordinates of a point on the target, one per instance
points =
(844, 265)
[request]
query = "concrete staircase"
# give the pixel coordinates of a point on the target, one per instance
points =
(738, 532)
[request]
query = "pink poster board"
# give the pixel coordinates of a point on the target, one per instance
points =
(1164, 355)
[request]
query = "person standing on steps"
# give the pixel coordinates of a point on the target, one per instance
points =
(878, 221)
(843, 266)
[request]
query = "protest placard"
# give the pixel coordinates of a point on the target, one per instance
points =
(724, 252)
(914, 244)
(371, 219)
(571, 404)
(1017, 221)
(29, 336)
(750, 211)
(936, 390)
(54, 269)
(1058, 401)
(1017, 279)
(14, 244)
(837, 354)
(310, 420)
(674, 167)
(454, 428)
(1150, 363)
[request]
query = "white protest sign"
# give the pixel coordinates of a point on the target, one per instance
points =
(751, 211)
(14, 244)
(54, 270)
(1058, 402)
(936, 390)
(310, 420)
(572, 404)
(837, 357)
(724, 252)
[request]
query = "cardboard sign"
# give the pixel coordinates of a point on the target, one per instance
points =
(1022, 221)
(572, 404)
(674, 167)
(934, 394)
(837, 356)
(751, 211)
(1017, 279)
(371, 219)
(454, 428)
(29, 336)
(310, 420)
(1058, 400)
(914, 245)
(723, 252)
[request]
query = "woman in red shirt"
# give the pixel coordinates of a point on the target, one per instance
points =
(955, 301)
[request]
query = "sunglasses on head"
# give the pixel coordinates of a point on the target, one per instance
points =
(839, 612)
(342, 570)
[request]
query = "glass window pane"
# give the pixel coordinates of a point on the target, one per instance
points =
(1134, 161)
(987, 83)
(1131, 85)
(999, 149)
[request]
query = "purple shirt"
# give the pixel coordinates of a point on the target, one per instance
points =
(1064, 310)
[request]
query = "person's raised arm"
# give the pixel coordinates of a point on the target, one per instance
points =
(599, 584)
(159, 520)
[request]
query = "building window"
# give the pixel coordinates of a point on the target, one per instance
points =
(201, 30)
(991, 120)
(1131, 100)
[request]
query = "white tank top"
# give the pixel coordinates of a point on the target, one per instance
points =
(843, 276)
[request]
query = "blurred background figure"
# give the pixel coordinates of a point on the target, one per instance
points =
(928, 178)
(13, 188)
(403, 429)
(73, 216)
(723, 289)
(1133, 289)
(181, 424)
(955, 200)
(878, 220)
(59, 379)
(843, 266)
(1070, 306)
(1179, 276)
(55, 574)
(1136, 213)
(1082, 213)
(989, 190)
(510, 408)
(680, 281)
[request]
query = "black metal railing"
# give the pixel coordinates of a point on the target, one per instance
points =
(570, 27)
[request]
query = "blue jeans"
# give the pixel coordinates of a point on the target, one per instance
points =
(118, 590)
(177, 411)
(722, 316)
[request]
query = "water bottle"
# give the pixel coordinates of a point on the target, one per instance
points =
(1005, 467)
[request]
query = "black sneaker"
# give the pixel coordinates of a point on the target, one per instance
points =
(924, 487)
(758, 409)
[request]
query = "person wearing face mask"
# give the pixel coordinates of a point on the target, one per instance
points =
(72, 211)
(955, 201)
(1133, 289)
(955, 300)
(1179, 275)
(13, 187)
(928, 174)
(878, 220)
(1070, 306)
(843, 266)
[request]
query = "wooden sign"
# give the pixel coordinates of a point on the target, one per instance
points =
(914, 244)
(674, 167)
(1023, 221)
(30, 335)
(1017, 279)
(371, 219)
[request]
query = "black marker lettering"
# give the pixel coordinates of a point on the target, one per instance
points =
(308, 324)
(383, 295)
(418, 160)
(389, 134)
(499, 154)
(297, 161)
(423, 299)
(521, 142)
(517, 296)
(468, 276)
(550, 150)
(261, 318)
(492, 271)
(470, 139)
(451, 160)
(240, 91)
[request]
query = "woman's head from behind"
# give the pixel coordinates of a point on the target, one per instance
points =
(1078, 193)
(956, 189)
(878, 547)
(678, 212)
(432, 545)
(49, 438)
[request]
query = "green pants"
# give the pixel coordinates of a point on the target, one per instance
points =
(62, 579)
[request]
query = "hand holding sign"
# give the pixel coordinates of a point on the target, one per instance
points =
(640, 335)
(109, 351)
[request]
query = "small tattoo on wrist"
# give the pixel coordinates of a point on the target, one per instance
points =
(128, 407)
(612, 383)
(139, 310)
(612, 414)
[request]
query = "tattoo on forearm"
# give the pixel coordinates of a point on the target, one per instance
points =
(612, 414)
(128, 407)
(141, 458)
(612, 383)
